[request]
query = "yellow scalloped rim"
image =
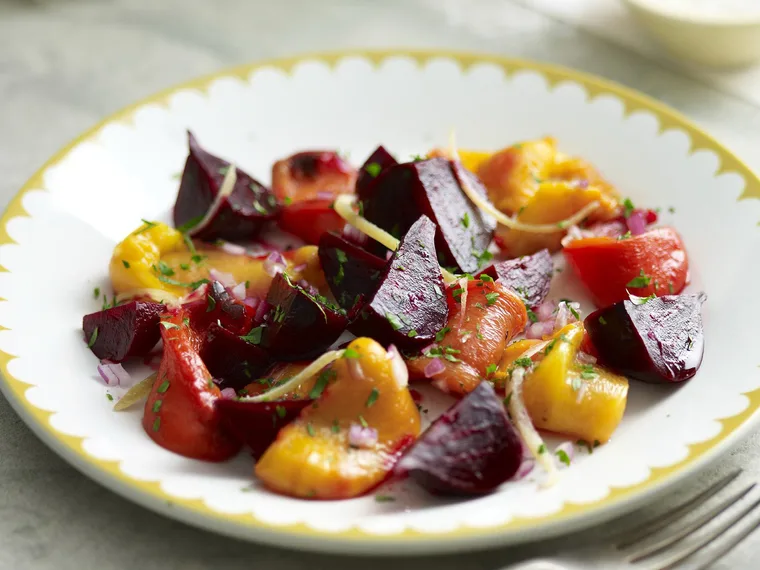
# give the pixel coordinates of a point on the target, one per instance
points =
(571, 516)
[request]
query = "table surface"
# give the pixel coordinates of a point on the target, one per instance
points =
(65, 64)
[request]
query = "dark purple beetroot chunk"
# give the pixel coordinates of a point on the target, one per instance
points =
(409, 307)
(256, 424)
(127, 330)
(219, 306)
(234, 361)
(301, 325)
(433, 187)
(351, 272)
(377, 162)
(529, 276)
(660, 341)
(471, 449)
(241, 215)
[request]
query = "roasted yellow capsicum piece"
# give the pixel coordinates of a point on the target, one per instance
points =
(135, 263)
(567, 396)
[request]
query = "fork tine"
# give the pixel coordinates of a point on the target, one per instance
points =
(688, 529)
(725, 548)
(676, 559)
(649, 528)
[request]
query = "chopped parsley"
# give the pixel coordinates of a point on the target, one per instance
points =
(93, 338)
(626, 235)
(628, 207)
(412, 333)
(484, 257)
(508, 399)
(163, 387)
(373, 169)
(156, 424)
(524, 362)
(191, 285)
(384, 499)
(417, 158)
(350, 353)
(335, 427)
(588, 372)
(541, 449)
(394, 321)
(322, 381)
(259, 208)
(602, 321)
(573, 312)
(487, 278)
(190, 224)
(491, 298)
(441, 333)
(310, 429)
(125, 263)
(210, 303)
(253, 336)
(363, 422)
(672, 210)
(563, 456)
(96, 292)
(168, 326)
(491, 368)
(372, 398)
(466, 220)
(148, 225)
(110, 398)
(670, 287)
(642, 280)
(532, 317)
(280, 411)
(157, 406)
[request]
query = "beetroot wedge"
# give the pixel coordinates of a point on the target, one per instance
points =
(529, 276)
(256, 424)
(352, 273)
(377, 162)
(204, 213)
(301, 324)
(218, 306)
(657, 340)
(125, 330)
(233, 360)
(433, 188)
(409, 307)
(470, 449)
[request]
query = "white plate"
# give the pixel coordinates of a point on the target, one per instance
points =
(59, 231)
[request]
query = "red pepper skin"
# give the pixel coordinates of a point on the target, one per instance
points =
(607, 265)
(180, 414)
(310, 219)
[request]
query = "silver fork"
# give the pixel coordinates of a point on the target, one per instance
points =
(668, 548)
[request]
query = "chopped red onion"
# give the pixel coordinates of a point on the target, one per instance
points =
(274, 264)
(388, 255)
(196, 295)
(299, 268)
(574, 233)
(568, 448)
(352, 234)
(539, 330)
(262, 310)
(362, 437)
(525, 469)
(586, 358)
(435, 366)
(398, 366)
(636, 222)
(252, 302)
(225, 279)
(238, 291)
(308, 287)
(232, 248)
(565, 315)
(545, 311)
(113, 374)
(229, 394)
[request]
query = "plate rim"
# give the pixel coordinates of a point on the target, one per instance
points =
(572, 516)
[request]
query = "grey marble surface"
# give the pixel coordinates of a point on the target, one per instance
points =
(65, 64)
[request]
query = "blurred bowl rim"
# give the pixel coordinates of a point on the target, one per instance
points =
(665, 11)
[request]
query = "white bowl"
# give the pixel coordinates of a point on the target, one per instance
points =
(706, 39)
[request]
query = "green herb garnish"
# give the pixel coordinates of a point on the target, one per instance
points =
(93, 338)
(641, 281)
(373, 396)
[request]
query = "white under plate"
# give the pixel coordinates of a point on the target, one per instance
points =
(58, 234)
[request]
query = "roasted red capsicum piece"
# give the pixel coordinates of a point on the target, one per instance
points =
(652, 263)
(180, 414)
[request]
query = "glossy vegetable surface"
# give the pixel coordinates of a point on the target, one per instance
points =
(124, 331)
(180, 414)
(657, 341)
(309, 219)
(529, 276)
(569, 397)
(409, 307)
(313, 457)
(654, 262)
(312, 175)
(470, 347)
(470, 449)
(204, 213)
